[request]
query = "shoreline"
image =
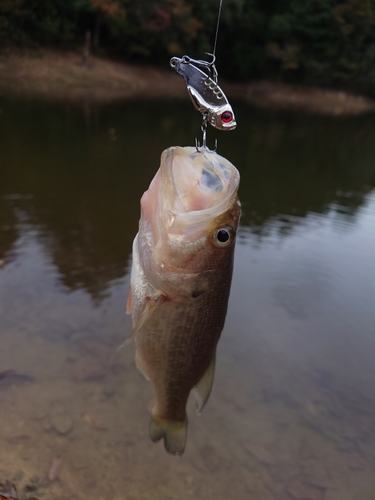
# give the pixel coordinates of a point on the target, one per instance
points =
(54, 75)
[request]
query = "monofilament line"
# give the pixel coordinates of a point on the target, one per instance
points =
(217, 26)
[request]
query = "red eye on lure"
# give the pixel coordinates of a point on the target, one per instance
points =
(227, 117)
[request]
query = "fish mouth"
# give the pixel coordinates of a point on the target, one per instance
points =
(197, 186)
(192, 194)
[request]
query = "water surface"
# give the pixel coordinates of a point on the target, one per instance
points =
(292, 411)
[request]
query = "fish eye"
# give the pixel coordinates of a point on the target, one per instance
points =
(223, 236)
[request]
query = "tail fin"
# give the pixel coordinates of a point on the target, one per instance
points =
(174, 434)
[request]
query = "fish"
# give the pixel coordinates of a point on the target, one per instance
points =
(180, 282)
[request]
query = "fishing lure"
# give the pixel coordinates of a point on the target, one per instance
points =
(204, 91)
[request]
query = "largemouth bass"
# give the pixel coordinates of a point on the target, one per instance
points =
(180, 282)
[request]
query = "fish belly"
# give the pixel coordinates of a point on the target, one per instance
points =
(176, 347)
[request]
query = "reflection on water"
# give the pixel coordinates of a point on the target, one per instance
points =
(292, 411)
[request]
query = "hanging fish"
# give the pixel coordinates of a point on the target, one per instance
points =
(180, 282)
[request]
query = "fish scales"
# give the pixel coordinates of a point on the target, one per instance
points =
(176, 346)
(180, 282)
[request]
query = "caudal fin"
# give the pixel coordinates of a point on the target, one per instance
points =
(174, 434)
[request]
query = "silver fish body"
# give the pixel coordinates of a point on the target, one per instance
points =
(180, 282)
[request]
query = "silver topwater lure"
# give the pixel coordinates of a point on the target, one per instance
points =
(201, 79)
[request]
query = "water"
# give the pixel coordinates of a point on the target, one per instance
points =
(292, 411)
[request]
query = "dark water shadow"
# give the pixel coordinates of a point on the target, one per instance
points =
(76, 175)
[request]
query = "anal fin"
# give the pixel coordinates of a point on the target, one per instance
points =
(140, 365)
(204, 386)
(174, 434)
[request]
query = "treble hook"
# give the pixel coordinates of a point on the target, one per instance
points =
(204, 135)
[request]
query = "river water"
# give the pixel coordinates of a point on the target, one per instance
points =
(292, 412)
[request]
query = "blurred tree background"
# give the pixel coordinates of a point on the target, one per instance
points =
(323, 42)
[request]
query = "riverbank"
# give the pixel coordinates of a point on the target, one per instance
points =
(63, 76)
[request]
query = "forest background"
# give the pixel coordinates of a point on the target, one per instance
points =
(315, 42)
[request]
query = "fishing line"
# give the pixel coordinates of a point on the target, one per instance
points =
(217, 26)
(201, 79)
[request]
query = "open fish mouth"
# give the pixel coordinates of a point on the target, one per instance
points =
(196, 186)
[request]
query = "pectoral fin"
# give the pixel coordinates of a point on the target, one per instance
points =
(129, 303)
(204, 386)
(150, 308)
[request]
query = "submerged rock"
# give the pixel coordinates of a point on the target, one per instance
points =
(88, 369)
(302, 491)
(62, 423)
(262, 454)
(8, 491)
